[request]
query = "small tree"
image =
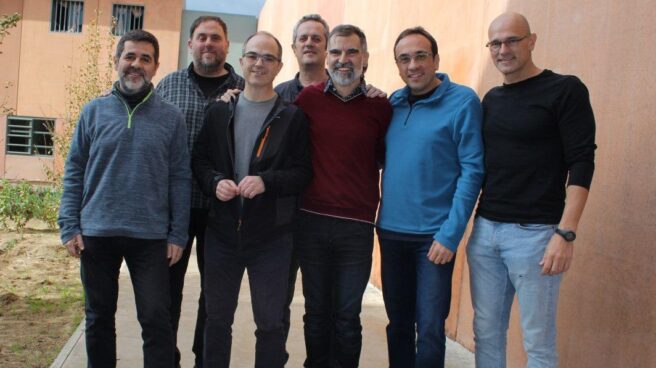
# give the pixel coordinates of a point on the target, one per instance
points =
(7, 22)
(93, 78)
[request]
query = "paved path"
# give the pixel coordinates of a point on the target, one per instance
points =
(128, 331)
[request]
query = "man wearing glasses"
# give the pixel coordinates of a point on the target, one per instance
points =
(539, 134)
(431, 180)
(252, 157)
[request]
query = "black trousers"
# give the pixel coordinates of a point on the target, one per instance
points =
(197, 224)
(149, 270)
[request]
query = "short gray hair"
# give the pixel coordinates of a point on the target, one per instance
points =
(311, 18)
(345, 30)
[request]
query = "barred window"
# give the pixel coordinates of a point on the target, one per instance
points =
(66, 16)
(29, 136)
(128, 18)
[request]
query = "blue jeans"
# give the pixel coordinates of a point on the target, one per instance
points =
(335, 257)
(197, 224)
(504, 260)
(149, 271)
(417, 296)
(268, 274)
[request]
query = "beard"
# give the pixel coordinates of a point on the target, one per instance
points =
(130, 87)
(208, 66)
(344, 79)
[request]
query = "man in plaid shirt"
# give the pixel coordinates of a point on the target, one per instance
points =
(192, 90)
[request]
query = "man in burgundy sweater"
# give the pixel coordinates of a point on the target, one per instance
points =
(334, 236)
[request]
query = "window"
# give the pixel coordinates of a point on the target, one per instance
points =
(128, 18)
(29, 136)
(66, 16)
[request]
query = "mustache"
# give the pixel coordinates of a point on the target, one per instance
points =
(131, 70)
(339, 65)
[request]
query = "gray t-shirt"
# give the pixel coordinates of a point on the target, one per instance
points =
(249, 118)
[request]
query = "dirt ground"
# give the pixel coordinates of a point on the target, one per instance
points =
(41, 298)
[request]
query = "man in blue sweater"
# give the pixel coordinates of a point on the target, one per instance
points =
(126, 195)
(432, 176)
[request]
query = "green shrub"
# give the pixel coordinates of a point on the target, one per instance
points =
(22, 202)
(46, 206)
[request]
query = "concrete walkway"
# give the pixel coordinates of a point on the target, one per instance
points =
(128, 331)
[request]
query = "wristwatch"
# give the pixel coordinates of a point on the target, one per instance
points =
(568, 235)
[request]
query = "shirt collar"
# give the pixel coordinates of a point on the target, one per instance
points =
(359, 90)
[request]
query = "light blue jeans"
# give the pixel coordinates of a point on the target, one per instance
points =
(503, 260)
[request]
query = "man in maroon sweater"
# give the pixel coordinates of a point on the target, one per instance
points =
(334, 237)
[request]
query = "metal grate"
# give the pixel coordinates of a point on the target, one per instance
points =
(66, 16)
(29, 136)
(128, 18)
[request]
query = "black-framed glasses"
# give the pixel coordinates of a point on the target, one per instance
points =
(253, 57)
(495, 45)
(418, 57)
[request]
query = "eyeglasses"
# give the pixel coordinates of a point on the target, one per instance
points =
(253, 57)
(510, 42)
(418, 57)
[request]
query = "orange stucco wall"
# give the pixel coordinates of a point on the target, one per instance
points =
(41, 63)
(607, 311)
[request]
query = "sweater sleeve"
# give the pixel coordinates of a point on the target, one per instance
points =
(468, 138)
(179, 185)
(73, 182)
(576, 126)
(385, 119)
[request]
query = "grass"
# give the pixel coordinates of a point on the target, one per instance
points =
(41, 299)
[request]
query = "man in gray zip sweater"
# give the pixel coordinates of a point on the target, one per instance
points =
(126, 196)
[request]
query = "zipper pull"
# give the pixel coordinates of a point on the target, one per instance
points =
(266, 135)
(239, 225)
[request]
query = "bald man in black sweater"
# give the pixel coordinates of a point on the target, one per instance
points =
(539, 135)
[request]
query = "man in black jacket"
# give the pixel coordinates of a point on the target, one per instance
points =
(192, 89)
(252, 156)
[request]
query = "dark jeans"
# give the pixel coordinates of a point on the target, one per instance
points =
(197, 224)
(417, 296)
(335, 258)
(149, 271)
(268, 274)
(291, 287)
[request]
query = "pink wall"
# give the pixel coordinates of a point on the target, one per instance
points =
(607, 313)
(41, 63)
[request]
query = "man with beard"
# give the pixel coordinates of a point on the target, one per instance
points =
(539, 134)
(192, 90)
(334, 236)
(252, 155)
(127, 183)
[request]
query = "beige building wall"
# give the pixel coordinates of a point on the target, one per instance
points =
(607, 311)
(40, 63)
